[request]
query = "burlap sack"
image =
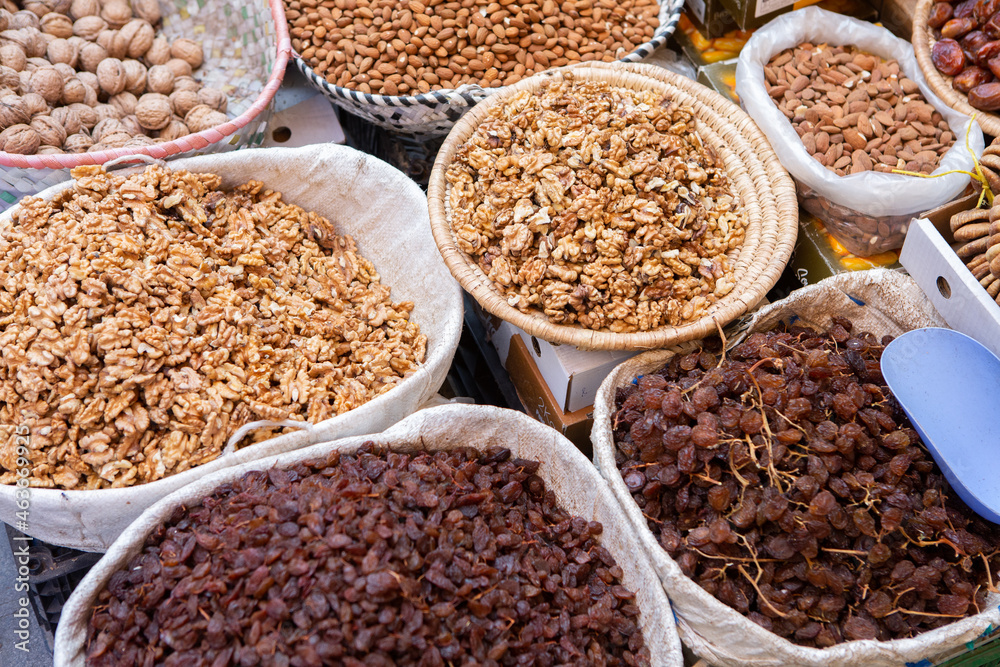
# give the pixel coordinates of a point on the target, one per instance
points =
(565, 470)
(387, 215)
(880, 301)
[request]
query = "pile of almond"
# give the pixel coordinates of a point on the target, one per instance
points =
(856, 112)
(88, 75)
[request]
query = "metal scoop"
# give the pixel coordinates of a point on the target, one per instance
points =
(949, 386)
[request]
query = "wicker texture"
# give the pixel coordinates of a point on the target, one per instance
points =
(923, 41)
(433, 114)
(246, 50)
(758, 179)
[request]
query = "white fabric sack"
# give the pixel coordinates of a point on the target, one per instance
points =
(872, 193)
(386, 213)
(892, 304)
(567, 472)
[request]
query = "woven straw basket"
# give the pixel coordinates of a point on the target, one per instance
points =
(758, 179)
(246, 50)
(923, 41)
(433, 114)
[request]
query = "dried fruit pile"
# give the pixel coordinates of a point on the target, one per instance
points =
(597, 205)
(374, 558)
(148, 317)
(855, 111)
(786, 481)
(406, 48)
(968, 48)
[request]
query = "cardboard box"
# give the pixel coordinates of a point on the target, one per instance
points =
(539, 401)
(751, 14)
(572, 376)
(950, 286)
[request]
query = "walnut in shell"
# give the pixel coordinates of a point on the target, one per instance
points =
(9, 77)
(135, 76)
(204, 117)
(59, 25)
(111, 76)
(5, 18)
(183, 101)
(116, 12)
(74, 91)
(20, 139)
(96, 147)
(65, 71)
(147, 9)
(186, 83)
(29, 39)
(78, 143)
(35, 104)
(80, 8)
(47, 82)
(124, 101)
(116, 139)
(12, 56)
(159, 79)
(175, 129)
(91, 56)
(68, 118)
(179, 67)
(62, 51)
(87, 114)
(158, 53)
(138, 35)
(24, 19)
(49, 150)
(113, 42)
(89, 27)
(50, 131)
(153, 111)
(107, 127)
(13, 111)
(104, 111)
(189, 51)
(132, 126)
(139, 140)
(214, 98)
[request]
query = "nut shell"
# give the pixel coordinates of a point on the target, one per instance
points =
(124, 102)
(21, 139)
(204, 117)
(138, 35)
(175, 129)
(214, 98)
(189, 51)
(35, 104)
(50, 132)
(12, 55)
(113, 42)
(62, 51)
(183, 101)
(116, 12)
(91, 56)
(9, 78)
(111, 76)
(148, 10)
(24, 19)
(80, 8)
(131, 125)
(13, 111)
(158, 53)
(153, 111)
(87, 114)
(159, 79)
(77, 143)
(186, 83)
(74, 91)
(59, 25)
(105, 127)
(135, 77)
(47, 82)
(179, 67)
(68, 118)
(89, 27)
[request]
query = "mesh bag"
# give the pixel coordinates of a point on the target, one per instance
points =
(432, 114)
(246, 49)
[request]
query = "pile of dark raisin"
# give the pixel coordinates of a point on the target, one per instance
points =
(785, 479)
(373, 559)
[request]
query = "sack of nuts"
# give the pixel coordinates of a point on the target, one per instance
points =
(337, 315)
(828, 537)
(843, 104)
(513, 549)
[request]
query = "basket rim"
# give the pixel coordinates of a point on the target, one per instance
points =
(446, 95)
(768, 244)
(193, 141)
(941, 85)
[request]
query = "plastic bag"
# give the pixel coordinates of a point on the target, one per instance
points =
(867, 212)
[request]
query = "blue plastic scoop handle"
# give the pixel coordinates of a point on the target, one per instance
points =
(949, 386)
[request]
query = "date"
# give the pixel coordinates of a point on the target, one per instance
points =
(940, 14)
(972, 42)
(948, 57)
(957, 27)
(985, 97)
(970, 78)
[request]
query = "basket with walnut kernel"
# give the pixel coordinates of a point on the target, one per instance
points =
(159, 324)
(612, 207)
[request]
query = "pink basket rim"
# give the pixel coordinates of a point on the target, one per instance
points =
(190, 142)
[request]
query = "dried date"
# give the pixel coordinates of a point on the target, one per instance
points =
(948, 57)
(985, 96)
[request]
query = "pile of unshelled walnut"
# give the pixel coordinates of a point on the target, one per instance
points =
(88, 75)
(145, 318)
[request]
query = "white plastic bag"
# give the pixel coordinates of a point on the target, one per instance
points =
(386, 213)
(566, 472)
(888, 198)
(881, 302)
